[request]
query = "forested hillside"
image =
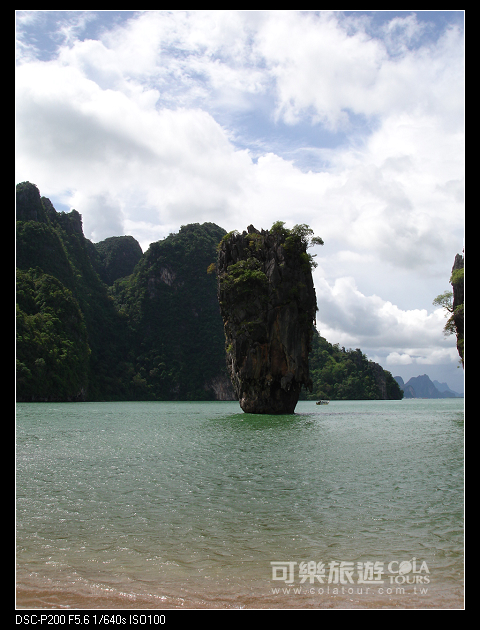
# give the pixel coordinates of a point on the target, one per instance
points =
(52, 250)
(340, 374)
(105, 321)
(176, 333)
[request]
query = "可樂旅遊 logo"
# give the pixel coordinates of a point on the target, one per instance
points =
(344, 572)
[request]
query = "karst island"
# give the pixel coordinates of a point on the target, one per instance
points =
(268, 305)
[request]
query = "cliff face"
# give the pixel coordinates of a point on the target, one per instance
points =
(66, 324)
(176, 332)
(117, 324)
(117, 257)
(268, 305)
(379, 376)
(457, 281)
(147, 326)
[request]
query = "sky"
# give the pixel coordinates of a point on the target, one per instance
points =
(351, 122)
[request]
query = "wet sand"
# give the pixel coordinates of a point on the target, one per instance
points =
(441, 598)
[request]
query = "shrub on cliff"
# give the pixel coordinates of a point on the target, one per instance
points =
(268, 304)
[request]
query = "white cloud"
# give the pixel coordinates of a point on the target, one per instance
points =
(169, 165)
(96, 112)
(432, 356)
(327, 71)
(323, 69)
(136, 127)
(352, 319)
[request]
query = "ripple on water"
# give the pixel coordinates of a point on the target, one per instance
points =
(188, 503)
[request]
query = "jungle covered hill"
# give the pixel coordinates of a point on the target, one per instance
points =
(105, 321)
(340, 374)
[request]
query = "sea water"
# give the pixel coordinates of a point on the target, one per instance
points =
(154, 505)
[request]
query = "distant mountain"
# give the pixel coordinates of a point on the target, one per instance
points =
(423, 387)
(443, 387)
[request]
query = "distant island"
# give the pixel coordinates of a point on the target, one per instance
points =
(106, 321)
(423, 387)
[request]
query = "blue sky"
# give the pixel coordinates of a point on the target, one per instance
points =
(351, 122)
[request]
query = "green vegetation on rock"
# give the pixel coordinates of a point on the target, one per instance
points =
(141, 326)
(339, 374)
(268, 305)
(172, 311)
(52, 345)
(117, 257)
(104, 321)
(454, 304)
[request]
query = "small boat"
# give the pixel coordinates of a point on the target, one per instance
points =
(323, 402)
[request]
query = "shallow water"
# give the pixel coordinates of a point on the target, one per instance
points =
(198, 505)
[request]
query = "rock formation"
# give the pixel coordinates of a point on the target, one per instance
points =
(380, 379)
(268, 305)
(28, 204)
(457, 282)
(117, 257)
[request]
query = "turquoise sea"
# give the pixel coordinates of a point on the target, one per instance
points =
(197, 505)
